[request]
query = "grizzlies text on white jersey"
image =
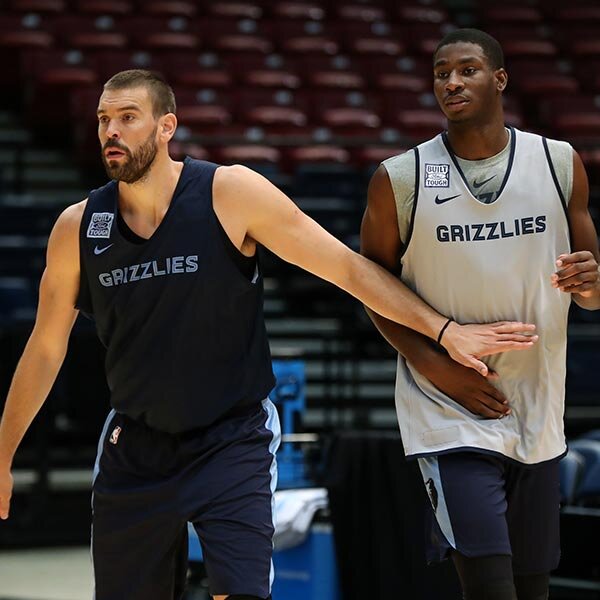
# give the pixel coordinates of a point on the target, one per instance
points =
(478, 263)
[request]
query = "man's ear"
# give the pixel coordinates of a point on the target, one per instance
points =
(167, 126)
(501, 77)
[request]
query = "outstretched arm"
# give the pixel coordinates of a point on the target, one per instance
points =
(578, 273)
(47, 345)
(380, 241)
(273, 220)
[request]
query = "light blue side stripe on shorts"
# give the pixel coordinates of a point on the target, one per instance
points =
(272, 425)
(111, 414)
(430, 469)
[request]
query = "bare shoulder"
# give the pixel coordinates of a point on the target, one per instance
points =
(234, 179)
(238, 190)
(64, 237)
(581, 189)
(380, 193)
(380, 181)
(70, 218)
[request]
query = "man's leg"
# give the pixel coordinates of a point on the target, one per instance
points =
(236, 528)
(533, 520)
(138, 537)
(467, 494)
(532, 587)
(485, 577)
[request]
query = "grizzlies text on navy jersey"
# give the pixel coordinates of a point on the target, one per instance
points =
(183, 327)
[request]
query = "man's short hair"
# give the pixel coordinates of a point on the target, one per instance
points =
(161, 94)
(490, 46)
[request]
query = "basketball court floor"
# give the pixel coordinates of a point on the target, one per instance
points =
(46, 574)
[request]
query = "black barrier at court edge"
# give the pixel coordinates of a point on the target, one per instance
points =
(378, 508)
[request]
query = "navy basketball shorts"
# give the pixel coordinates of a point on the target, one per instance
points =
(149, 484)
(485, 505)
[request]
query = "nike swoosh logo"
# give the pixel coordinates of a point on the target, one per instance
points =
(101, 250)
(478, 185)
(439, 200)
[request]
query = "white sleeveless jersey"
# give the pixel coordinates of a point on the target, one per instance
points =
(480, 263)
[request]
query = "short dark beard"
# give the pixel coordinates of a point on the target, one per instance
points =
(137, 165)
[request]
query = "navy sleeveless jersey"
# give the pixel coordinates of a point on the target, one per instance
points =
(183, 328)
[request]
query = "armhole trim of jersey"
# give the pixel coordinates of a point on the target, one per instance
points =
(414, 206)
(82, 271)
(554, 177)
(557, 186)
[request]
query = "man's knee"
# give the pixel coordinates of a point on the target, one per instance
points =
(485, 577)
(495, 590)
(532, 587)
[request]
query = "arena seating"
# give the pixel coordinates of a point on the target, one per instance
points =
(312, 94)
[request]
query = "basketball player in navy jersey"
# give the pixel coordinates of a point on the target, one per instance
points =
(486, 222)
(164, 258)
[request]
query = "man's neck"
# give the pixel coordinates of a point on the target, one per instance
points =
(476, 142)
(150, 197)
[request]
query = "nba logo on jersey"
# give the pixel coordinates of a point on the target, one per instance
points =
(100, 225)
(437, 176)
(114, 436)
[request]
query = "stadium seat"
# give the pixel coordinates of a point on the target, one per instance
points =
(587, 70)
(58, 68)
(420, 13)
(197, 69)
(261, 158)
(307, 11)
(529, 48)
(241, 43)
(235, 10)
(594, 434)
(275, 115)
(167, 41)
(103, 7)
(38, 6)
(25, 39)
(588, 492)
(271, 78)
(376, 46)
(88, 32)
(310, 45)
(248, 154)
(371, 39)
(360, 12)
(350, 117)
(371, 156)
(511, 13)
(204, 116)
(402, 82)
(571, 468)
(541, 76)
(568, 15)
(319, 154)
(179, 150)
(586, 47)
(336, 80)
(107, 62)
(198, 77)
(173, 8)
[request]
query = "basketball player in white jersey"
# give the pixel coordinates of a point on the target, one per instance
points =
(486, 222)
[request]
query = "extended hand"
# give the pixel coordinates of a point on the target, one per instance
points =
(6, 486)
(466, 344)
(465, 386)
(577, 274)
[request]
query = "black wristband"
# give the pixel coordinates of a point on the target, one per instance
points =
(441, 333)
